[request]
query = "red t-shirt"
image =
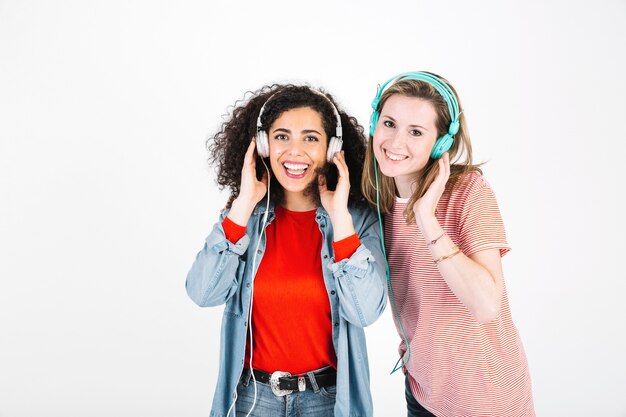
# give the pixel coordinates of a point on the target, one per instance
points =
(291, 317)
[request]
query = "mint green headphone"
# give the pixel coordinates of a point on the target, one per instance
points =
(445, 142)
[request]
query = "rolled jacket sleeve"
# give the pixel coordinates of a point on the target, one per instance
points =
(361, 279)
(212, 279)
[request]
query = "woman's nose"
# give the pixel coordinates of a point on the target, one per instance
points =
(295, 148)
(396, 139)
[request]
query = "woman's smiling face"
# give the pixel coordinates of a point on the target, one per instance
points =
(298, 144)
(404, 137)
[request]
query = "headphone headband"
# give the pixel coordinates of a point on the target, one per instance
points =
(338, 128)
(445, 142)
(441, 86)
(334, 144)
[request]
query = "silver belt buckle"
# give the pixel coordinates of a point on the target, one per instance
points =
(275, 385)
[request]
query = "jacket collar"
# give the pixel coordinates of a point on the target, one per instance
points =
(261, 207)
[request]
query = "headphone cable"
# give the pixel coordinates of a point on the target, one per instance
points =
(396, 367)
(256, 251)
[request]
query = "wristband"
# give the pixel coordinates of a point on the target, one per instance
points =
(432, 242)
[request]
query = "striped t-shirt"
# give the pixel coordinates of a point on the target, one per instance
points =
(458, 366)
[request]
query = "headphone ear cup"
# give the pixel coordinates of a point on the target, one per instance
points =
(334, 146)
(373, 122)
(262, 144)
(442, 146)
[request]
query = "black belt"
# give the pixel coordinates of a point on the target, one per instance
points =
(283, 383)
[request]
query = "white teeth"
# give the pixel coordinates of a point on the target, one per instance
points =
(295, 167)
(395, 157)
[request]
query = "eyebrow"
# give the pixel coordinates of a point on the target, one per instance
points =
(305, 131)
(394, 120)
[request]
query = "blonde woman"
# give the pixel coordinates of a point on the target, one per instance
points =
(444, 238)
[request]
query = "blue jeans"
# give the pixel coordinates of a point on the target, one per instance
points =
(413, 408)
(317, 402)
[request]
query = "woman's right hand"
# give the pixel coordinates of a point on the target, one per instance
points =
(425, 207)
(251, 190)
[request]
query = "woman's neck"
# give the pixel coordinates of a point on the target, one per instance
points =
(298, 202)
(405, 185)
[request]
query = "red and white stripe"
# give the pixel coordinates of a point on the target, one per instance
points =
(458, 366)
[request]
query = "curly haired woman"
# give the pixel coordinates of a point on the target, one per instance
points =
(296, 258)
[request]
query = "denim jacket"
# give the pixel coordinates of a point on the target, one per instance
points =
(357, 290)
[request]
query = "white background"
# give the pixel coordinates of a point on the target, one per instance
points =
(105, 194)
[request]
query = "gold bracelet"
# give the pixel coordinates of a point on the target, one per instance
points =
(444, 257)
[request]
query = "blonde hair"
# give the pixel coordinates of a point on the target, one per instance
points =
(460, 152)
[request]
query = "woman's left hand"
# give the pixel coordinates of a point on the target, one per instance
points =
(427, 204)
(336, 202)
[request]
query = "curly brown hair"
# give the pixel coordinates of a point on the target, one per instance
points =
(228, 146)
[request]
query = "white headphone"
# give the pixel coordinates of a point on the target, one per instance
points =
(334, 144)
